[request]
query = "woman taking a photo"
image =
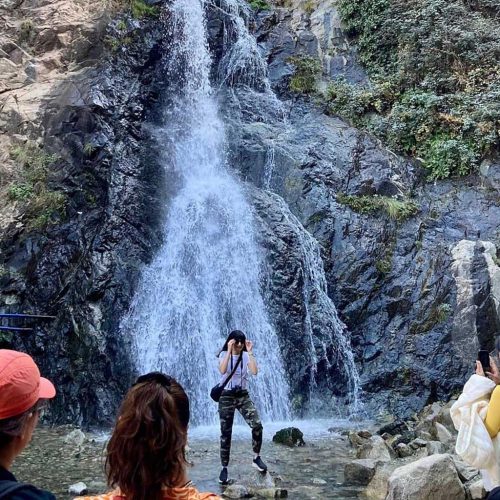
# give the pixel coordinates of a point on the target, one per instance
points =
(145, 455)
(236, 356)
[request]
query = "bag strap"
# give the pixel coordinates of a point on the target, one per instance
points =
(8, 487)
(234, 369)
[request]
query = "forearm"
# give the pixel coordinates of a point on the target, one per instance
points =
(223, 364)
(252, 364)
(492, 421)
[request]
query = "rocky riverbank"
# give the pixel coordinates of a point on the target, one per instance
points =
(401, 460)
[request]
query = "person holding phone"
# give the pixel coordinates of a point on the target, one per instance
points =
(235, 397)
(476, 417)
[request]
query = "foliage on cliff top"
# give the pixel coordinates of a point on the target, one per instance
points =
(436, 79)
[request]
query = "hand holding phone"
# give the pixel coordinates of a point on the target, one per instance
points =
(484, 358)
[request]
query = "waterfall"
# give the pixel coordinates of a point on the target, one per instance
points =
(205, 279)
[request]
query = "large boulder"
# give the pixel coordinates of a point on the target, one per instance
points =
(376, 449)
(360, 471)
(434, 477)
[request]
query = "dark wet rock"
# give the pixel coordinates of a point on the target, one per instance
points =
(418, 443)
(271, 493)
(291, 436)
(417, 295)
(398, 286)
(84, 269)
(403, 450)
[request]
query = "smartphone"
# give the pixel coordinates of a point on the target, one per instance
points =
(484, 358)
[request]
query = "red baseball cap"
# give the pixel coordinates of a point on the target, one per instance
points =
(20, 383)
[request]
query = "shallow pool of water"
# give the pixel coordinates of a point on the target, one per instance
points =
(314, 471)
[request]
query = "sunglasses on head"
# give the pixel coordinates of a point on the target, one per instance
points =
(157, 377)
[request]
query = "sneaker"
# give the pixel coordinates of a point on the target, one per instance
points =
(259, 464)
(223, 476)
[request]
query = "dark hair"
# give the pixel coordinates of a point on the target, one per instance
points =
(13, 427)
(236, 335)
(146, 449)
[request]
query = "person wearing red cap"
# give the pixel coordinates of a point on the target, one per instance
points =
(22, 392)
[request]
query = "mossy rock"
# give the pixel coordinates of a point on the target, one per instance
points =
(291, 436)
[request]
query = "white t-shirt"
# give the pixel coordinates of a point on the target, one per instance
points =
(240, 377)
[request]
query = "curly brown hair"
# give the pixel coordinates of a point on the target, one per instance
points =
(146, 449)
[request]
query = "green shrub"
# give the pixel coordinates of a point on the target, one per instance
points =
(309, 7)
(259, 5)
(46, 206)
(42, 204)
(20, 191)
(26, 32)
(89, 149)
(141, 9)
(438, 314)
(435, 70)
(307, 71)
(399, 210)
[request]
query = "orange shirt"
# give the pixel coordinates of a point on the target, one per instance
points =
(183, 493)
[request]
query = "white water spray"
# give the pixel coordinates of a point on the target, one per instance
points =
(205, 280)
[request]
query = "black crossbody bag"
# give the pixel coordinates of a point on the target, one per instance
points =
(216, 391)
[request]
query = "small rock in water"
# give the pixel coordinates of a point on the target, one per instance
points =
(76, 437)
(317, 480)
(365, 434)
(236, 491)
(272, 493)
(78, 489)
(97, 486)
(291, 436)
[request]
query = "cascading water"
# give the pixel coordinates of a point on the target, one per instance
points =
(263, 106)
(205, 280)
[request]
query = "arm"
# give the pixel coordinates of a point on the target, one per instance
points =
(252, 364)
(492, 420)
(224, 362)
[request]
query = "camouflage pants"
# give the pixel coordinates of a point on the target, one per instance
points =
(237, 400)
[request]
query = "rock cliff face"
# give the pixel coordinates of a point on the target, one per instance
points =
(418, 296)
(83, 269)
